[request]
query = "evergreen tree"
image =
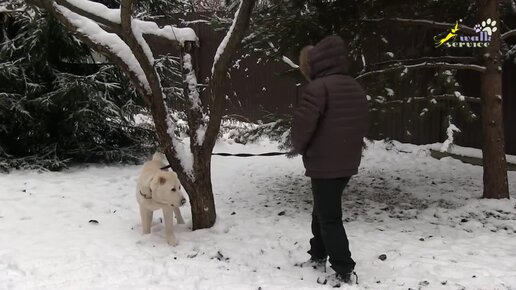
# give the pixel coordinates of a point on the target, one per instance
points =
(379, 54)
(59, 104)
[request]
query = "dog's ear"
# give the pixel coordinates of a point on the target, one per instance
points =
(161, 180)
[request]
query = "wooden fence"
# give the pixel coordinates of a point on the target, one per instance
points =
(258, 87)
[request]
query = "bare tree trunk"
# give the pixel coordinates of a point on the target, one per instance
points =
(493, 149)
(201, 194)
(200, 188)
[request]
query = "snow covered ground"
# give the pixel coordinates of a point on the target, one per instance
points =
(424, 214)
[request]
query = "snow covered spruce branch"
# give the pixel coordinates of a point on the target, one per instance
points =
(425, 64)
(7, 8)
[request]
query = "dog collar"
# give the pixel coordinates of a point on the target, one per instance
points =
(144, 196)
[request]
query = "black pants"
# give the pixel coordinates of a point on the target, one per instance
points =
(329, 235)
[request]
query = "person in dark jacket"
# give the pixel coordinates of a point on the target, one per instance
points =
(328, 128)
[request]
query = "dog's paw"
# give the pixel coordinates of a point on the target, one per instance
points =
(173, 242)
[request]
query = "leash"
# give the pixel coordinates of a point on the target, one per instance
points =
(250, 154)
(241, 155)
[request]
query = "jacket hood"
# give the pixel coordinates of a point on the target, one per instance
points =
(328, 57)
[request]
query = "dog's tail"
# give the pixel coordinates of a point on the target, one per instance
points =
(158, 156)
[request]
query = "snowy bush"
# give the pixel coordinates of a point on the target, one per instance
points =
(450, 131)
(275, 128)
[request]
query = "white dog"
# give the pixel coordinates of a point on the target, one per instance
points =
(159, 189)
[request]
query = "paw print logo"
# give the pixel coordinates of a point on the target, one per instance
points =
(489, 26)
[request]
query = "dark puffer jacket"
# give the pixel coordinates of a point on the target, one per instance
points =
(331, 119)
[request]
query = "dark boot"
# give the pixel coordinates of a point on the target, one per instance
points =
(336, 280)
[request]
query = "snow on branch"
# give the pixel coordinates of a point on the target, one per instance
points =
(426, 65)
(450, 131)
(478, 68)
(364, 63)
(169, 32)
(225, 41)
(222, 61)
(182, 152)
(191, 81)
(4, 9)
(444, 97)
(289, 62)
(184, 22)
(423, 22)
(110, 19)
(97, 9)
(91, 30)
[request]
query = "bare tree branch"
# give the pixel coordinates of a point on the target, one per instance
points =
(443, 97)
(425, 65)
(161, 117)
(129, 37)
(508, 34)
(423, 22)
(452, 97)
(460, 59)
(125, 15)
(448, 65)
(241, 22)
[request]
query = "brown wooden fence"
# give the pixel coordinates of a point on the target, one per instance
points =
(258, 87)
